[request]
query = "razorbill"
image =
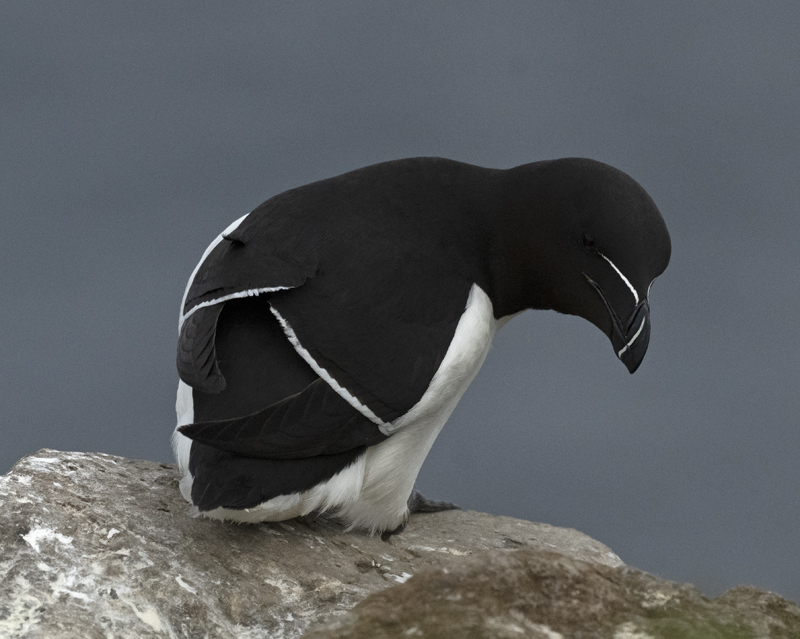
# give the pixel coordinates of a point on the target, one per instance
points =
(326, 337)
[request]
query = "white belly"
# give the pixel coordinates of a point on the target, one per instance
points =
(373, 491)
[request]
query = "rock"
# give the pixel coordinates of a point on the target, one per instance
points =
(93, 545)
(544, 595)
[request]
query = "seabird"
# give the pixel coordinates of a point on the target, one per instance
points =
(327, 336)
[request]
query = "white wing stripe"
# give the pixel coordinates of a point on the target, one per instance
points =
(230, 229)
(249, 293)
(340, 390)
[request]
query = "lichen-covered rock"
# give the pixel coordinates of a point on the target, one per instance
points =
(93, 545)
(543, 595)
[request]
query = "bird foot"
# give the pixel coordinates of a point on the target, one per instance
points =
(419, 504)
(387, 534)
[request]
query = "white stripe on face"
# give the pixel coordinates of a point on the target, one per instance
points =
(624, 279)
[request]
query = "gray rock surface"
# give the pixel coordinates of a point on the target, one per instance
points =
(543, 595)
(93, 545)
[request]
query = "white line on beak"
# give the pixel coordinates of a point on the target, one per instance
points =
(633, 339)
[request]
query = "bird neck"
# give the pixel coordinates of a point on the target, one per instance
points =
(522, 252)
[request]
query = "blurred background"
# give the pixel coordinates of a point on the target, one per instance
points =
(131, 134)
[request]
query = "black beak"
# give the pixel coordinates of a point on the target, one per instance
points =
(630, 340)
(632, 346)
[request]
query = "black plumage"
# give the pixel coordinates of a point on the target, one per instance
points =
(323, 316)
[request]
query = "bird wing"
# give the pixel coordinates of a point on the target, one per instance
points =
(378, 331)
(373, 313)
(232, 267)
(316, 421)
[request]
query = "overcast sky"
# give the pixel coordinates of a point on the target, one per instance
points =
(131, 134)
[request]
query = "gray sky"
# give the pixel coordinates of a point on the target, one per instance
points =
(133, 133)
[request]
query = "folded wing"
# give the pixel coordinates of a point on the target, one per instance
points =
(372, 312)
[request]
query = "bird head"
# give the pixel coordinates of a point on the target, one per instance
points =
(593, 243)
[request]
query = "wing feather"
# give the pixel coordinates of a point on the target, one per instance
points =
(316, 421)
(197, 360)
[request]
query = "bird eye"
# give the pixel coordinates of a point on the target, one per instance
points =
(588, 243)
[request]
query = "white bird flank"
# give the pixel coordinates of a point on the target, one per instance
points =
(393, 465)
(373, 491)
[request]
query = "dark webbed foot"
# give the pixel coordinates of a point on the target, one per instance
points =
(419, 504)
(388, 533)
